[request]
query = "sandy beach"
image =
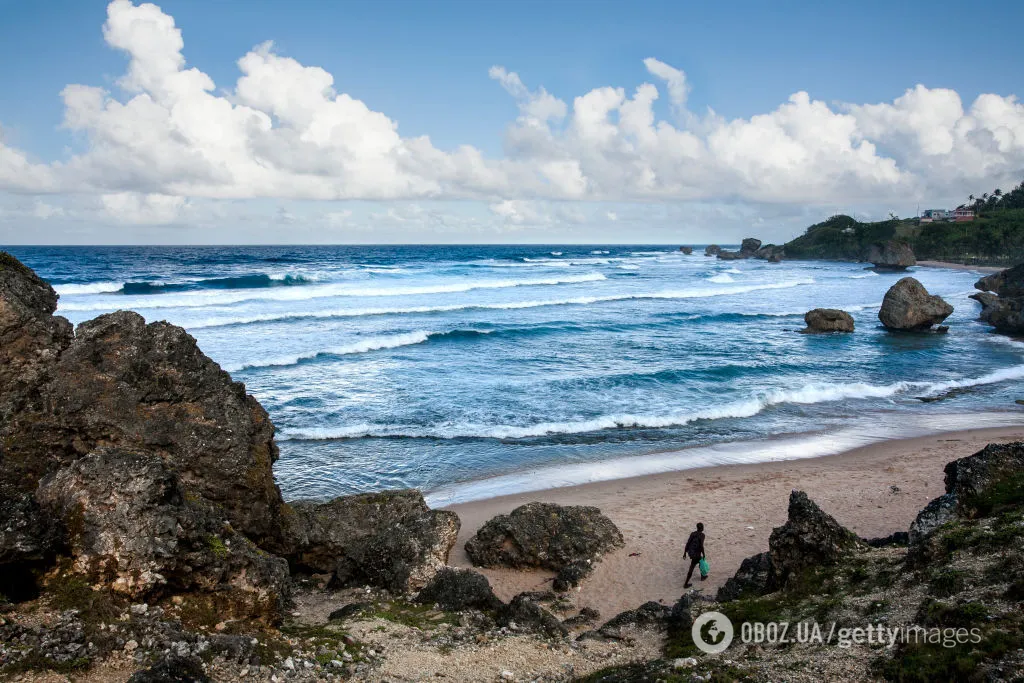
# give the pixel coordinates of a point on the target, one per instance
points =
(961, 266)
(739, 505)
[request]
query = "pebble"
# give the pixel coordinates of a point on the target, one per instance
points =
(508, 676)
(131, 646)
(289, 664)
(684, 663)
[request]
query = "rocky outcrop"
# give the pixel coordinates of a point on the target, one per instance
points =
(389, 539)
(29, 542)
(686, 250)
(754, 577)
(809, 539)
(131, 525)
(31, 340)
(891, 255)
(935, 514)
(749, 246)
(523, 613)
(827, 320)
(730, 255)
(973, 479)
(543, 535)
(908, 306)
(1006, 283)
(455, 590)
(1002, 300)
(173, 669)
(989, 303)
(773, 253)
(712, 250)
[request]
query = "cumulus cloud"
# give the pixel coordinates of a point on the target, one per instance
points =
(286, 130)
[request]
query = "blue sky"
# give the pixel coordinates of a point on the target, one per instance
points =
(425, 67)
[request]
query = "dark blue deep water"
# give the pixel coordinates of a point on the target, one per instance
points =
(436, 367)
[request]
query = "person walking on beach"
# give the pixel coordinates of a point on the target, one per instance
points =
(695, 551)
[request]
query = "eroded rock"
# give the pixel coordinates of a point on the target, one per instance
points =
(389, 539)
(454, 590)
(908, 306)
(543, 535)
(827, 320)
(809, 538)
(891, 255)
(132, 525)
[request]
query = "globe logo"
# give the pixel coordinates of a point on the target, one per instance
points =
(712, 632)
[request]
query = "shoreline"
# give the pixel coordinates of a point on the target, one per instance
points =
(739, 505)
(961, 266)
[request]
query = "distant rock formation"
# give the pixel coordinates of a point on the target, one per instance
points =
(827, 320)
(712, 250)
(686, 250)
(773, 253)
(908, 306)
(891, 255)
(1002, 300)
(749, 248)
(565, 539)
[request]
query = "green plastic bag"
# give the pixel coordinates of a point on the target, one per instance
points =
(705, 568)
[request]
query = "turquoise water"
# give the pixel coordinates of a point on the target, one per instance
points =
(439, 367)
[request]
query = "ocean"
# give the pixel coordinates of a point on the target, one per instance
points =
(473, 371)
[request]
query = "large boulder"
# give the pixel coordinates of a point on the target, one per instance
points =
(149, 387)
(931, 517)
(908, 306)
(989, 302)
(773, 253)
(891, 255)
(725, 255)
(749, 246)
(543, 535)
(132, 525)
(1005, 312)
(810, 538)
(389, 539)
(827, 320)
(712, 250)
(454, 590)
(686, 250)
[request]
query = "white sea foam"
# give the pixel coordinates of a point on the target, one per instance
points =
(598, 251)
(512, 305)
(90, 288)
(721, 277)
(879, 427)
(202, 299)
(818, 392)
(362, 346)
(870, 273)
(734, 271)
(556, 253)
(628, 266)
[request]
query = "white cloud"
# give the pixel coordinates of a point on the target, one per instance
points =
(286, 131)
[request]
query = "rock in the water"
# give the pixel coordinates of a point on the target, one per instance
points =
(173, 669)
(809, 538)
(908, 306)
(731, 255)
(712, 250)
(686, 250)
(523, 613)
(772, 253)
(749, 246)
(1006, 283)
(543, 535)
(989, 302)
(754, 577)
(891, 255)
(454, 590)
(827, 320)
(389, 539)
(131, 525)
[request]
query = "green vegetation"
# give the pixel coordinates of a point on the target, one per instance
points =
(995, 236)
